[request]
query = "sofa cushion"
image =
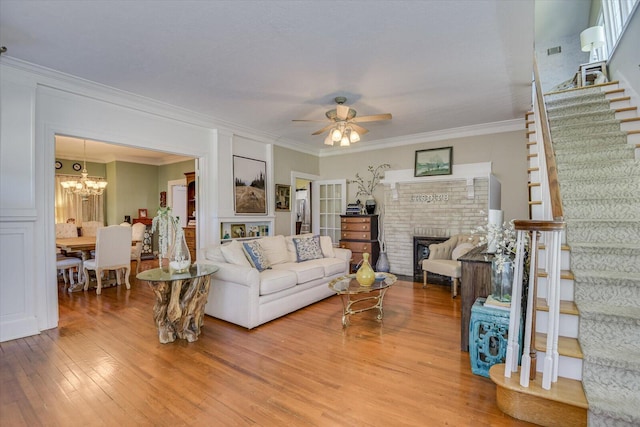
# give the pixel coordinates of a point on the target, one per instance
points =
(291, 248)
(460, 250)
(276, 280)
(307, 248)
(214, 254)
(331, 266)
(276, 249)
(327, 246)
(234, 254)
(305, 271)
(256, 255)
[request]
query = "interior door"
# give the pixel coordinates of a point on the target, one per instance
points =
(330, 199)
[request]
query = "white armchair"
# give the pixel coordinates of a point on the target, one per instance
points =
(443, 259)
(113, 252)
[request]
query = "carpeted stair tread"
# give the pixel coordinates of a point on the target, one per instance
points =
(606, 256)
(599, 208)
(593, 157)
(583, 129)
(558, 100)
(602, 230)
(624, 356)
(611, 170)
(594, 138)
(583, 118)
(615, 189)
(589, 106)
(595, 310)
(618, 409)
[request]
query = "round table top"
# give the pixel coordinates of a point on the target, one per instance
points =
(161, 275)
(349, 285)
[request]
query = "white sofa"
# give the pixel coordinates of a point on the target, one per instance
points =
(243, 295)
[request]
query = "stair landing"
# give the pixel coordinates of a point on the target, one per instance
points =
(565, 405)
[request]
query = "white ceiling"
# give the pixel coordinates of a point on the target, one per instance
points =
(256, 65)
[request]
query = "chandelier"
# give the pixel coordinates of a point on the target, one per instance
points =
(342, 133)
(84, 187)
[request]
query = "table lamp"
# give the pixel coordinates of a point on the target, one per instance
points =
(591, 39)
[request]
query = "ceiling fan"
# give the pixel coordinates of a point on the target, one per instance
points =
(343, 125)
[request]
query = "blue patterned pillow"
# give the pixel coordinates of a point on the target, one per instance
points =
(307, 248)
(256, 255)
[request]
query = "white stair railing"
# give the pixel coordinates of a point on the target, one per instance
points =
(552, 230)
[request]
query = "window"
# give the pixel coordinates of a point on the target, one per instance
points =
(613, 17)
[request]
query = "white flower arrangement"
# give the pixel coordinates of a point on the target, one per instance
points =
(366, 187)
(504, 237)
(165, 223)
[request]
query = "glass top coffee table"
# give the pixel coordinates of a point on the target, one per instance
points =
(352, 293)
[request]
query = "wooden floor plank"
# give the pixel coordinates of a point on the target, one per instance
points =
(104, 365)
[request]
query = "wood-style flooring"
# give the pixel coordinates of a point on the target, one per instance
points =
(104, 366)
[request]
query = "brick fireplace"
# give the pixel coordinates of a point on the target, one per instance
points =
(433, 207)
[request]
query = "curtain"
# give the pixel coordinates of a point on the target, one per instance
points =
(73, 206)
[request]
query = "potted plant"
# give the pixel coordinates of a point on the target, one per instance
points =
(367, 187)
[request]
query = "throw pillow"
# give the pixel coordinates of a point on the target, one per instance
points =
(308, 248)
(327, 246)
(234, 254)
(256, 255)
(460, 250)
(276, 249)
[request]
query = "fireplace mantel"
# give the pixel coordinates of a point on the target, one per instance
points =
(466, 171)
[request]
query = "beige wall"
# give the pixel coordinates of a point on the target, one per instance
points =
(173, 172)
(285, 161)
(507, 152)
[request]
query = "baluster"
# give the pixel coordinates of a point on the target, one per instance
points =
(525, 372)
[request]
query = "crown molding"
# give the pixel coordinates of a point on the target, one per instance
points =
(421, 138)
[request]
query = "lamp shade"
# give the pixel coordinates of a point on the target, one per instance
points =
(592, 38)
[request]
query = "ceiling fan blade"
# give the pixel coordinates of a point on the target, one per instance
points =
(342, 112)
(324, 129)
(358, 128)
(372, 118)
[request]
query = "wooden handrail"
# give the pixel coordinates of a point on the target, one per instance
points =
(552, 171)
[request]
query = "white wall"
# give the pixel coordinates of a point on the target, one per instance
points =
(35, 107)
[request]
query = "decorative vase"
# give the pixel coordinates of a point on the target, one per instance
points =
(383, 262)
(179, 256)
(370, 205)
(501, 280)
(365, 275)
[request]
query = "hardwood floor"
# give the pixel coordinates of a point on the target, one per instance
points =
(104, 365)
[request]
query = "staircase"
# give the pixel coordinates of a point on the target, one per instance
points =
(595, 133)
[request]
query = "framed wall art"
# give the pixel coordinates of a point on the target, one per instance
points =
(435, 161)
(238, 231)
(142, 213)
(249, 180)
(283, 197)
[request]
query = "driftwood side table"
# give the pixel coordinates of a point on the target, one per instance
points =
(180, 300)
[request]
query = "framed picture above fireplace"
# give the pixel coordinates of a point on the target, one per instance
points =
(434, 161)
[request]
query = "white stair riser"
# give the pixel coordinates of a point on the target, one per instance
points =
(626, 114)
(565, 263)
(535, 193)
(627, 126)
(566, 288)
(568, 324)
(537, 212)
(633, 139)
(568, 367)
(618, 104)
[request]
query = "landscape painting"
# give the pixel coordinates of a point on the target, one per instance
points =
(436, 161)
(249, 177)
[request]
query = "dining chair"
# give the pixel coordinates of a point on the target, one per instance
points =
(137, 237)
(113, 252)
(90, 228)
(67, 265)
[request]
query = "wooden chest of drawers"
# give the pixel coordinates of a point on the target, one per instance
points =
(190, 238)
(360, 234)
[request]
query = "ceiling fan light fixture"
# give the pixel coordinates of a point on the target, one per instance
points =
(336, 135)
(344, 142)
(328, 140)
(354, 136)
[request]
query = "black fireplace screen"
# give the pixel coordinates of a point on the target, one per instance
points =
(421, 252)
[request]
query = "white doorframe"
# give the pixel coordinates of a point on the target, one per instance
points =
(301, 175)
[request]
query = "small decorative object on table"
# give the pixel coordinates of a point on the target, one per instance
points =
(173, 250)
(365, 275)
